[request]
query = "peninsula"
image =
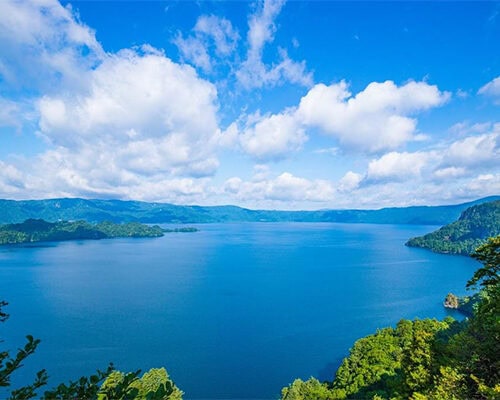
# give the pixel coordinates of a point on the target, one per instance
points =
(38, 230)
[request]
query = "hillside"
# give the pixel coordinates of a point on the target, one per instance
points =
(38, 230)
(53, 210)
(463, 236)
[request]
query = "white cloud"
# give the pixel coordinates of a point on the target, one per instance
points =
(133, 125)
(492, 89)
(284, 188)
(11, 179)
(145, 112)
(214, 42)
(221, 31)
(484, 185)
(44, 44)
(449, 172)
(253, 72)
(261, 172)
(375, 119)
(194, 50)
(465, 128)
(262, 27)
(398, 166)
(350, 181)
(209, 32)
(272, 136)
(10, 114)
(480, 150)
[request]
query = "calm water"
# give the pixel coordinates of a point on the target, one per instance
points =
(233, 311)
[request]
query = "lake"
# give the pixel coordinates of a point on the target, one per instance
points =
(234, 311)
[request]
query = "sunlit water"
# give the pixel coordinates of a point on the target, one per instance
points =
(232, 311)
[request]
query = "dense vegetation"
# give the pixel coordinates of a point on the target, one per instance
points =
(425, 359)
(127, 211)
(474, 226)
(38, 230)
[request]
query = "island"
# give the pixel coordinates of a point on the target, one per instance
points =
(39, 230)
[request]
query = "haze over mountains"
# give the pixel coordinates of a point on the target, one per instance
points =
(12, 211)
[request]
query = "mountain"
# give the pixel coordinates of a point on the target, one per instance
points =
(70, 209)
(463, 236)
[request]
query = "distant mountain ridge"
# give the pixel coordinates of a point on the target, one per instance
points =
(71, 209)
(475, 225)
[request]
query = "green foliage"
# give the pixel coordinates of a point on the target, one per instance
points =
(83, 388)
(153, 385)
(8, 365)
(37, 230)
(372, 359)
(312, 389)
(474, 226)
(489, 255)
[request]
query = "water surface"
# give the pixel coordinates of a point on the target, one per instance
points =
(232, 311)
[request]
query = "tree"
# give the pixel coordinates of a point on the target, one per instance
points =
(489, 255)
(312, 389)
(8, 365)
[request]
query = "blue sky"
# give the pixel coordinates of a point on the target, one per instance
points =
(266, 104)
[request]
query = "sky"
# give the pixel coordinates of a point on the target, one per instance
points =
(267, 104)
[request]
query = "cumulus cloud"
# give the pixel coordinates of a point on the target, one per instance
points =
(143, 111)
(44, 44)
(284, 188)
(253, 72)
(492, 89)
(134, 125)
(272, 136)
(398, 166)
(377, 118)
(463, 169)
(350, 181)
(479, 150)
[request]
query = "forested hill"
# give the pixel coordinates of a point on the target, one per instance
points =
(37, 230)
(12, 211)
(474, 226)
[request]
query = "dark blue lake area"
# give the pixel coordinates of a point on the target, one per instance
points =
(234, 311)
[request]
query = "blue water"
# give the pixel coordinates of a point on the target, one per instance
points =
(232, 311)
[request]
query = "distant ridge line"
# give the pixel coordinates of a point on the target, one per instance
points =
(95, 210)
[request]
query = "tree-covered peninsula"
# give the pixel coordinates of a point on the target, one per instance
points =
(38, 230)
(475, 225)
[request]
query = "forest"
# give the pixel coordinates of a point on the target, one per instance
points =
(463, 236)
(38, 230)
